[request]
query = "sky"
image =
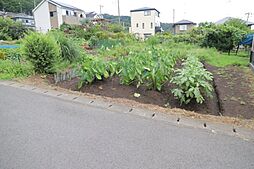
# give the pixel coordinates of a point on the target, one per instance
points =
(194, 10)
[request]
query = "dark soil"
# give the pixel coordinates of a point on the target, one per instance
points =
(235, 88)
(112, 88)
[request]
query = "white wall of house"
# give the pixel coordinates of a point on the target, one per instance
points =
(60, 16)
(42, 18)
(143, 23)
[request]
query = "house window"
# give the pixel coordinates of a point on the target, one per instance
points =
(147, 13)
(151, 25)
(67, 13)
(183, 27)
(143, 25)
(81, 16)
(27, 21)
(51, 14)
(137, 25)
(75, 13)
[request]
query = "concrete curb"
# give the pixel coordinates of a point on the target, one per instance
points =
(213, 128)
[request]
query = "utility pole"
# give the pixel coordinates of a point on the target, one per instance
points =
(173, 16)
(248, 15)
(119, 17)
(101, 6)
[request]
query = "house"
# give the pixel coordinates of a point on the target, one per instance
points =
(93, 15)
(50, 14)
(145, 22)
(26, 20)
(183, 26)
(224, 20)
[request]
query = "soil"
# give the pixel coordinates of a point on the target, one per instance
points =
(235, 89)
(112, 88)
(233, 95)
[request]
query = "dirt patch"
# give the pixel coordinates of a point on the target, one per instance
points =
(112, 88)
(234, 86)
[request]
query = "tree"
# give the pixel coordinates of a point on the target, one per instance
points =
(223, 37)
(18, 6)
(11, 30)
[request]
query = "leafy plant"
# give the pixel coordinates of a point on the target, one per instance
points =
(42, 50)
(93, 69)
(69, 50)
(192, 81)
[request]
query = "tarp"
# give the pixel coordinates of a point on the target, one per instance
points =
(247, 40)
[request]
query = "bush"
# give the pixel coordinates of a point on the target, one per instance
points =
(69, 50)
(11, 30)
(192, 81)
(223, 37)
(12, 69)
(42, 50)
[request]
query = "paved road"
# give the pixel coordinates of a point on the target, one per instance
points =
(42, 132)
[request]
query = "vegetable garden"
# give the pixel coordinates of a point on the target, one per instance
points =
(166, 70)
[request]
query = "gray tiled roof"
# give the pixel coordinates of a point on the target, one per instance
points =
(222, 21)
(66, 5)
(184, 22)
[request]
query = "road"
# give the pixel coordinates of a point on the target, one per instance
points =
(42, 132)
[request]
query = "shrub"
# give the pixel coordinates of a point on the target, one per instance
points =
(192, 81)
(223, 37)
(69, 50)
(42, 50)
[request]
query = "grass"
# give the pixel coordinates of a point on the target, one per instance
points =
(215, 58)
(223, 60)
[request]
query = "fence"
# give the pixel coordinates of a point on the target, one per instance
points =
(62, 76)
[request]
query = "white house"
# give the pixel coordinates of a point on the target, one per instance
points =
(50, 14)
(145, 22)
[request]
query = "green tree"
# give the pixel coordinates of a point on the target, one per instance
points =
(11, 30)
(17, 6)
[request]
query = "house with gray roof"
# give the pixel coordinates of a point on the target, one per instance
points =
(226, 19)
(50, 14)
(183, 26)
(26, 20)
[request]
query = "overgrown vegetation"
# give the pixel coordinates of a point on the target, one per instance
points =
(101, 51)
(11, 30)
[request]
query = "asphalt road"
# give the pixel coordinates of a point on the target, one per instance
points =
(42, 132)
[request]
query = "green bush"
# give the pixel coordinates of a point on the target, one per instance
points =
(192, 81)
(11, 30)
(12, 69)
(69, 50)
(42, 50)
(223, 37)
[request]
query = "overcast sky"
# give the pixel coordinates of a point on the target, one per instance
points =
(194, 10)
